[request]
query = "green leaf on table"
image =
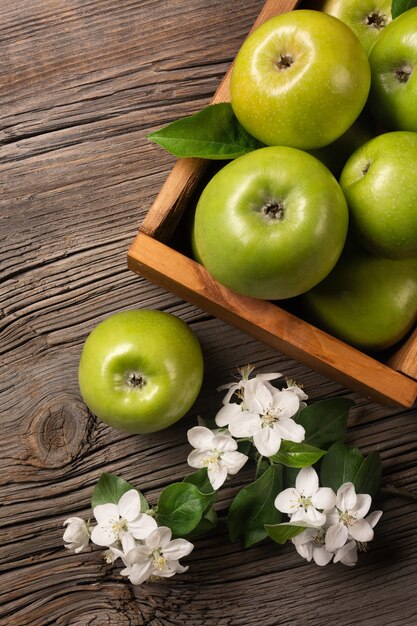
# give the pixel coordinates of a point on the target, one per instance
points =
(201, 480)
(325, 421)
(253, 507)
(181, 507)
(110, 488)
(368, 476)
(207, 523)
(213, 133)
(401, 6)
(280, 533)
(297, 454)
(344, 464)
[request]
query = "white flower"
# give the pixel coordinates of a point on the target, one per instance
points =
(158, 556)
(346, 521)
(292, 386)
(76, 534)
(302, 502)
(114, 520)
(348, 554)
(127, 542)
(245, 372)
(264, 415)
(217, 452)
(310, 544)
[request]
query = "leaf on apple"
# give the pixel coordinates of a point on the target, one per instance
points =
(110, 488)
(253, 507)
(213, 133)
(401, 6)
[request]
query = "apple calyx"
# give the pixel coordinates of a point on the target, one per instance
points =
(366, 168)
(375, 20)
(135, 380)
(402, 74)
(274, 210)
(284, 62)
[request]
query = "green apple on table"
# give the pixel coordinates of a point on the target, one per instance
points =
(367, 18)
(271, 224)
(368, 301)
(140, 371)
(300, 79)
(380, 184)
(393, 60)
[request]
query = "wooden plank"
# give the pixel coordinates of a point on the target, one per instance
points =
(269, 323)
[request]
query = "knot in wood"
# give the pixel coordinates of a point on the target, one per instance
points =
(59, 432)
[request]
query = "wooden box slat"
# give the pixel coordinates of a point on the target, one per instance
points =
(394, 382)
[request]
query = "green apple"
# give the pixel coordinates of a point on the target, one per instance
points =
(335, 155)
(140, 371)
(393, 61)
(300, 79)
(380, 184)
(367, 18)
(271, 224)
(368, 301)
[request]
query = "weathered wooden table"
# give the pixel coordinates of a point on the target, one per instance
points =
(82, 82)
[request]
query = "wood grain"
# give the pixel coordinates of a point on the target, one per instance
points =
(81, 84)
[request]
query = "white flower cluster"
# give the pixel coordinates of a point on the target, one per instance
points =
(145, 548)
(336, 526)
(263, 415)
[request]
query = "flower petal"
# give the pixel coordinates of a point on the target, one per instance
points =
(234, 461)
(332, 517)
(226, 413)
(177, 549)
(244, 424)
(160, 538)
(321, 556)
(267, 441)
(363, 504)
(142, 526)
(129, 505)
(347, 554)
(139, 572)
(287, 501)
(305, 550)
(286, 402)
(305, 537)
(290, 430)
(103, 534)
(346, 497)
(224, 443)
(197, 458)
(373, 518)
(324, 498)
(127, 540)
(217, 474)
(106, 512)
(336, 537)
(315, 517)
(307, 481)
(361, 531)
(200, 437)
(257, 396)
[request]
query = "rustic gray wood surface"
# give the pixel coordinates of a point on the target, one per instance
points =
(81, 84)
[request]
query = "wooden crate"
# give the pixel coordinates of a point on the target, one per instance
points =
(155, 255)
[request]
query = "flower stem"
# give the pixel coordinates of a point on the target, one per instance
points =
(258, 465)
(398, 491)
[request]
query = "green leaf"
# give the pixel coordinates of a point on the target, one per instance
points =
(401, 6)
(368, 476)
(280, 533)
(110, 488)
(201, 480)
(253, 507)
(207, 523)
(213, 133)
(181, 506)
(325, 421)
(297, 454)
